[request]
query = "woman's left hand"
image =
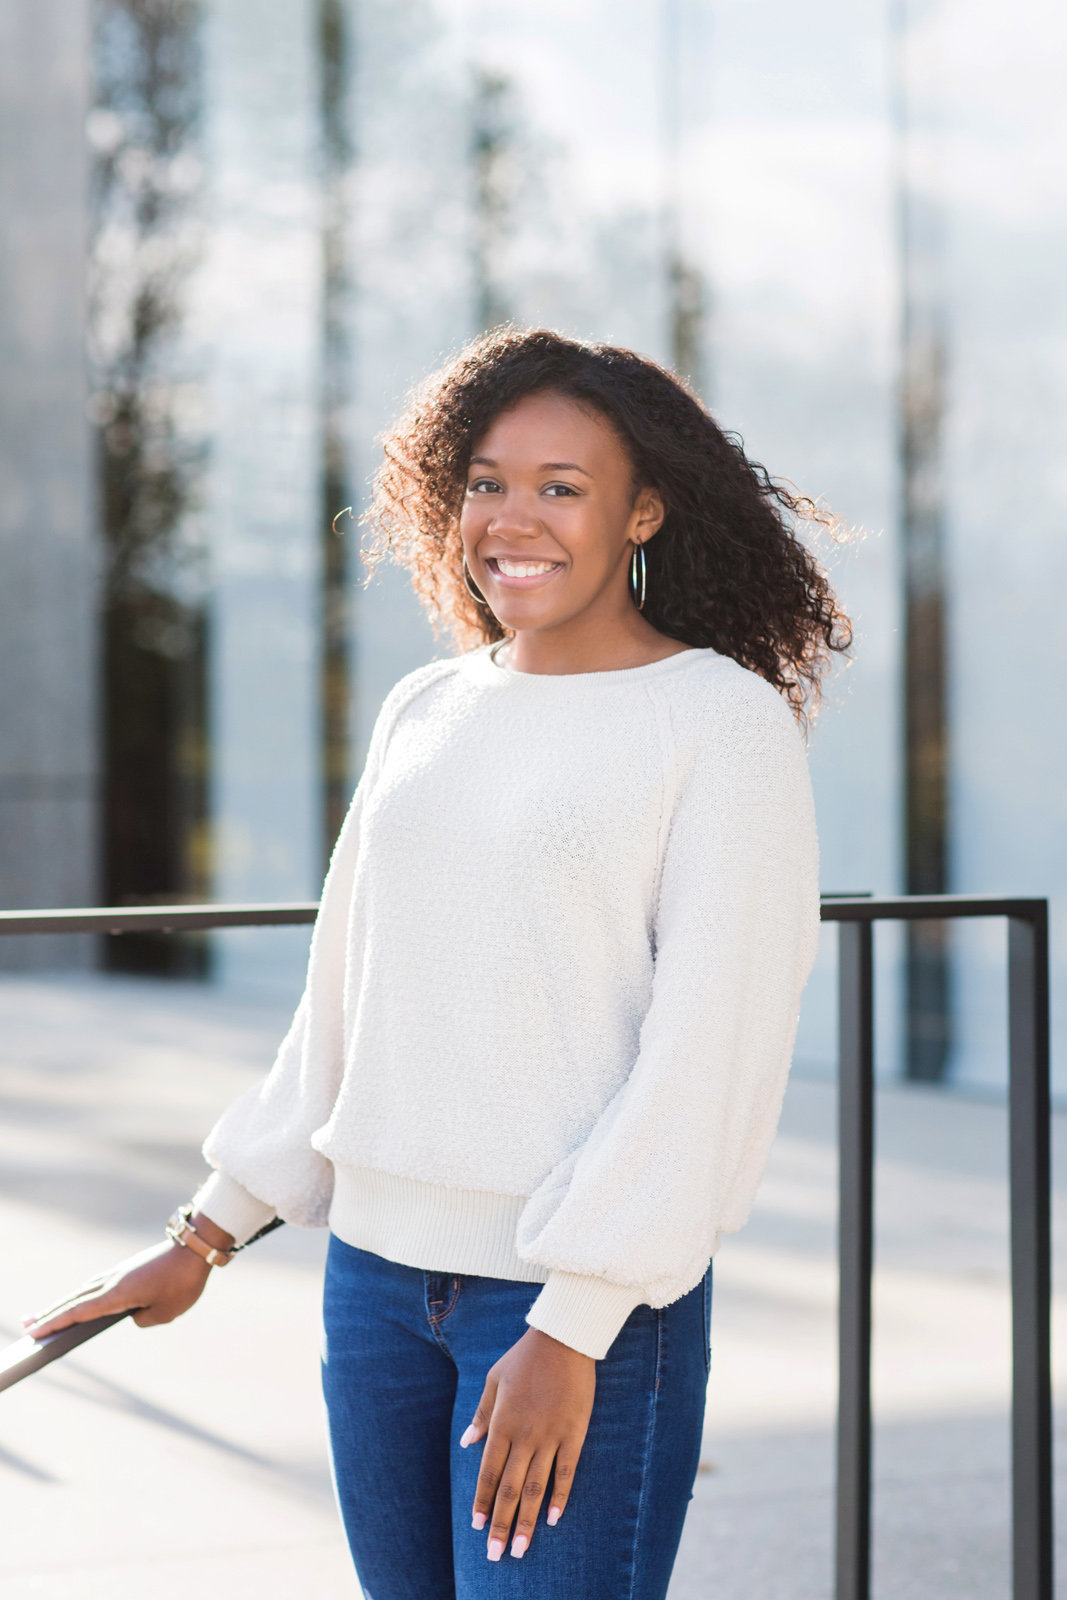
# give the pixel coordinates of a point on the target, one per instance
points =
(535, 1408)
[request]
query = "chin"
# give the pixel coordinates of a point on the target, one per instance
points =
(517, 618)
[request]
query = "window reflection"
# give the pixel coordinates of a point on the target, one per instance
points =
(299, 207)
(145, 405)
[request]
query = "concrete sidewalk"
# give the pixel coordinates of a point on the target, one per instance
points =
(192, 1457)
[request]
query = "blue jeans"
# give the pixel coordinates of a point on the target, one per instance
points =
(405, 1354)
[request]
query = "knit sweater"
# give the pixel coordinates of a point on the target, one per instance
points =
(553, 986)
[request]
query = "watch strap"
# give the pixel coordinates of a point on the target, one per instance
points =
(181, 1230)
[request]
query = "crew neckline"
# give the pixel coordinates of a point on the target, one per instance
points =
(484, 658)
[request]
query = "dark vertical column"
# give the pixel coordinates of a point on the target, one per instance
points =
(335, 685)
(145, 131)
(1028, 1043)
(493, 155)
(686, 291)
(855, 1247)
(921, 414)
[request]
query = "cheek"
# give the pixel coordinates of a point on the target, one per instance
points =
(588, 543)
(472, 517)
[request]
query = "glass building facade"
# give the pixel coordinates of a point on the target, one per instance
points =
(239, 233)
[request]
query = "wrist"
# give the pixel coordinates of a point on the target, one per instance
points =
(182, 1230)
(194, 1265)
(211, 1233)
(538, 1336)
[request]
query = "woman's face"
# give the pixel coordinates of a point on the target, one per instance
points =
(549, 519)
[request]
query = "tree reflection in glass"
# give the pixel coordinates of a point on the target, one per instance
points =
(143, 134)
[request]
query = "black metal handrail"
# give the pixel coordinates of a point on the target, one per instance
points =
(157, 919)
(1028, 1110)
(1028, 1116)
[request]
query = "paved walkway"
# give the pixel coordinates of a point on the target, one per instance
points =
(191, 1458)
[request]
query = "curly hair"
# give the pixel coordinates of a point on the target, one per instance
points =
(726, 568)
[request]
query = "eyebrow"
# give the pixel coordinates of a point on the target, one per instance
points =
(546, 466)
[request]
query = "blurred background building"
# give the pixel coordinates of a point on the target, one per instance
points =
(235, 233)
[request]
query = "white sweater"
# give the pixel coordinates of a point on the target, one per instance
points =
(553, 986)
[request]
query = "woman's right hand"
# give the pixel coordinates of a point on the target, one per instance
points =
(158, 1284)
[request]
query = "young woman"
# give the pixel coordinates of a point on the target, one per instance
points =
(553, 984)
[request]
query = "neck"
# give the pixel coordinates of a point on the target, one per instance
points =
(568, 648)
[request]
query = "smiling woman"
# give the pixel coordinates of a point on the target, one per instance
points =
(553, 988)
(548, 540)
(529, 445)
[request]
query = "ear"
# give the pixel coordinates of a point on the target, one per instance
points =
(648, 515)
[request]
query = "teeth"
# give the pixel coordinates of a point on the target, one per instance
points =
(523, 569)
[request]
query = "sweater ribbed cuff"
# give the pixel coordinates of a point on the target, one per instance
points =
(231, 1207)
(585, 1313)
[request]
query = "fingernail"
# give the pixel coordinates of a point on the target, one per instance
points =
(554, 1515)
(478, 1520)
(467, 1437)
(496, 1549)
(519, 1544)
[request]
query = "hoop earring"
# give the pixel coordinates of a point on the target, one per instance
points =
(637, 579)
(471, 590)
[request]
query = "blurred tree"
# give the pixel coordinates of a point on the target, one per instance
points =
(147, 171)
(919, 88)
(686, 289)
(335, 50)
(495, 136)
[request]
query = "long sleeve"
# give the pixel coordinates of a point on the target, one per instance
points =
(634, 1214)
(260, 1147)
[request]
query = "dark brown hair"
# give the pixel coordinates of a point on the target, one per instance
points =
(726, 568)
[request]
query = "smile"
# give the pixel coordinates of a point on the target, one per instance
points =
(510, 570)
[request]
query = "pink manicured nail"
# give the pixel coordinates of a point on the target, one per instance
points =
(519, 1544)
(478, 1520)
(467, 1437)
(496, 1549)
(554, 1514)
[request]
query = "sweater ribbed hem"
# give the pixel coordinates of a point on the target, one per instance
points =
(586, 1313)
(429, 1226)
(230, 1206)
(439, 1229)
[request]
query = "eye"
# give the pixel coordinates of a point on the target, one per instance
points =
(566, 488)
(482, 486)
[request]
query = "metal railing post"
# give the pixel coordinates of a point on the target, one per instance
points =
(1028, 1046)
(855, 1235)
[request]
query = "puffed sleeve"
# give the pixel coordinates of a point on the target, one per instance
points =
(635, 1213)
(261, 1147)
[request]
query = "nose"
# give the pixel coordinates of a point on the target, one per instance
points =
(515, 517)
